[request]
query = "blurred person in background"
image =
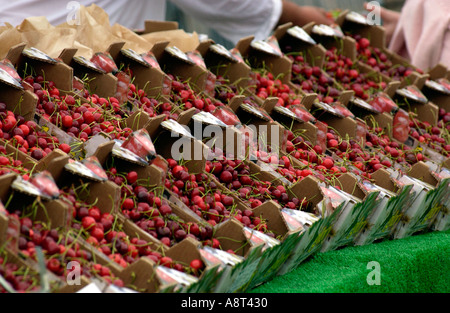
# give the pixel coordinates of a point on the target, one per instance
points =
(231, 19)
(420, 32)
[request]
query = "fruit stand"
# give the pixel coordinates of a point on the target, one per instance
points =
(111, 178)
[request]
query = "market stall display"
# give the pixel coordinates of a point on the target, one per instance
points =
(212, 170)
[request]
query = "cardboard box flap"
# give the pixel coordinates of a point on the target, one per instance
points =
(56, 166)
(235, 102)
(151, 26)
(383, 179)
(341, 18)
(115, 48)
(158, 49)
(439, 71)
(392, 87)
(185, 251)
(21, 102)
(281, 30)
(346, 96)
(270, 211)
(48, 162)
(308, 100)
(67, 55)
(5, 185)
(422, 172)
(232, 237)
(308, 188)
(269, 104)
(153, 125)
(203, 47)
(243, 45)
(15, 53)
(141, 274)
(185, 117)
(349, 184)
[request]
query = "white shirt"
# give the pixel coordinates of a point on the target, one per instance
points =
(232, 19)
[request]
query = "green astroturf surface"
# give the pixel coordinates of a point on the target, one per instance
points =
(417, 264)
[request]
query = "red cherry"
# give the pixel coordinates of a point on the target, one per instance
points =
(132, 177)
(88, 222)
(197, 264)
(226, 177)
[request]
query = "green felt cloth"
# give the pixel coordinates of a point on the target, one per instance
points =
(417, 264)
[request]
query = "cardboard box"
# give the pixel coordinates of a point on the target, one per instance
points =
(312, 239)
(32, 270)
(391, 203)
(240, 275)
(442, 100)
(188, 250)
(58, 72)
(442, 220)
(145, 76)
(357, 206)
(54, 212)
(377, 37)
(420, 215)
(96, 81)
(425, 111)
(221, 63)
(180, 67)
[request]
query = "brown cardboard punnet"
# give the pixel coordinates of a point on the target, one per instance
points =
(238, 73)
(383, 120)
(149, 175)
(105, 194)
(383, 179)
(21, 102)
(308, 130)
(60, 73)
(227, 138)
(152, 80)
(267, 132)
(279, 66)
(423, 173)
(141, 275)
(166, 143)
(54, 212)
(98, 82)
(163, 139)
(314, 53)
(186, 251)
(426, 112)
(377, 37)
(195, 74)
(232, 237)
(436, 97)
(346, 44)
(344, 126)
(31, 267)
